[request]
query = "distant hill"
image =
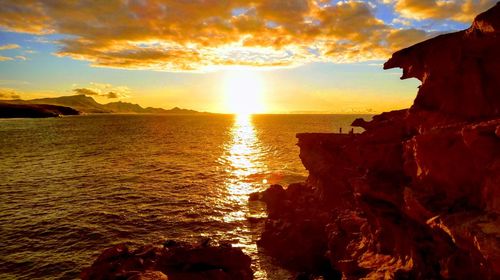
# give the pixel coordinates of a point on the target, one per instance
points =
(82, 103)
(10, 110)
(125, 107)
(86, 104)
(175, 111)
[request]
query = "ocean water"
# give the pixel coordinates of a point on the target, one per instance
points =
(71, 187)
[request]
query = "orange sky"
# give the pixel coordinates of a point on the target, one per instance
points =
(306, 55)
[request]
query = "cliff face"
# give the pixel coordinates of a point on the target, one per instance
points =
(460, 72)
(417, 195)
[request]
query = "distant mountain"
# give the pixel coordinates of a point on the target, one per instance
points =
(125, 107)
(86, 104)
(82, 103)
(176, 111)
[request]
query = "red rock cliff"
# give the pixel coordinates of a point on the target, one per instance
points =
(460, 72)
(417, 195)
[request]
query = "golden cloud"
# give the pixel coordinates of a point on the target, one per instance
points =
(459, 10)
(8, 93)
(195, 35)
(85, 91)
(5, 58)
(9, 47)
(104, 90)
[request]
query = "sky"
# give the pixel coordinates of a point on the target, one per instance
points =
(267, 56)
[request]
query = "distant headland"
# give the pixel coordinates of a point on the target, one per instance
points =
(77, 105)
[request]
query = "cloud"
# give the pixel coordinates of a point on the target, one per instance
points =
(85, 91)
(172, 35)
(459, 10)
(104, 90)
(5, 58)
(112, 95)
(403, 38)
(9, 47)
(8, 93)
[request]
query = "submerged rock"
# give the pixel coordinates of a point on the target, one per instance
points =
(415, 196)
(173, 261)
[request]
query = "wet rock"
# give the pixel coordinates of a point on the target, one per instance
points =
(290, 220)
(255, 196)
(149, 275)
(170, 243)
(174, 261)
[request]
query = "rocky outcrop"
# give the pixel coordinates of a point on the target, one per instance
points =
(9, 110)
(460, 72)
(172, 260)
(415, 196)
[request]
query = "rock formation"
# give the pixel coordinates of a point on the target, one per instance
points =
(172, 260)
(415, 196)
(10, 110)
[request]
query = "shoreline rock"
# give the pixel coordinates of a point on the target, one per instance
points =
(171, 260)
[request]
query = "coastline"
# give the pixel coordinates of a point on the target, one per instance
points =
(415, 196)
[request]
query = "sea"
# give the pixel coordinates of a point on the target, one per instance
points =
(71, 187)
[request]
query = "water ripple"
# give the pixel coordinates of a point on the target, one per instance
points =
(71, 187)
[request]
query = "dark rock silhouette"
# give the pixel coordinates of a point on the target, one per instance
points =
(172, 260)
(460, 72)
(415, 196)
(8, 110)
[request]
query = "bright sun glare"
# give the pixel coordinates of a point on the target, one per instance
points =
(244, 92)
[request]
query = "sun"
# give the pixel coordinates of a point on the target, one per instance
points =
(244, 92)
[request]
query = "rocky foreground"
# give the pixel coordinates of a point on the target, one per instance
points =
(171, 260)
(417, 195)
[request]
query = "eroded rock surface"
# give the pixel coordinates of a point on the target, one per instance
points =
(415, 196)
(460, 72)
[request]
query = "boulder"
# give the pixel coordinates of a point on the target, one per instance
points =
(172, 260)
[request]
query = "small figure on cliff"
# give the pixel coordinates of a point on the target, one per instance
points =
(340, 130)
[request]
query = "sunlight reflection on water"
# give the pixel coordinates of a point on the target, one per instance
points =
(245, 159)
(247, 169)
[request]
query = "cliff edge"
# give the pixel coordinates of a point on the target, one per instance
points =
(415, 196)
(460, 72)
